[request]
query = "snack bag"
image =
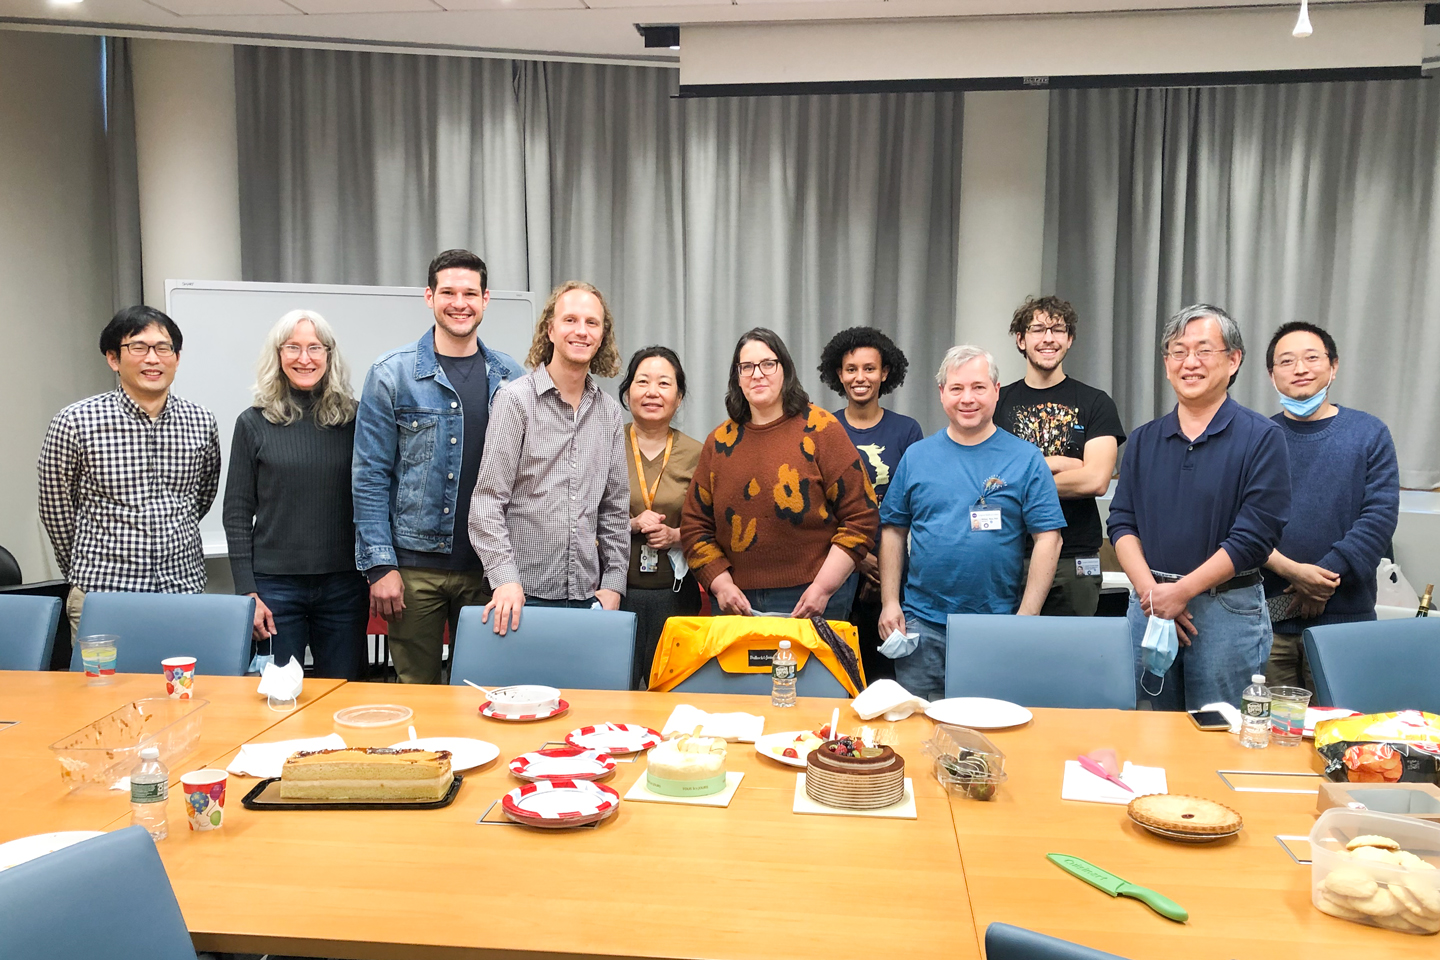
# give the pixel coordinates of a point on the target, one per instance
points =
(1401, 747)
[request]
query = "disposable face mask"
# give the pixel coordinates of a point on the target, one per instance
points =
(258, 663)
(678, 565)
(899, 644)
(1158, 650)
(1303, 408)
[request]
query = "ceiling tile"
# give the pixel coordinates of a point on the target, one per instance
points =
(365, 6)
(512, 4)
(227, 8)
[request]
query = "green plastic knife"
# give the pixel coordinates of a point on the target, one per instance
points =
(1116, 887)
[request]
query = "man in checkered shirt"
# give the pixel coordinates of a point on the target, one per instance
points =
(125, 476)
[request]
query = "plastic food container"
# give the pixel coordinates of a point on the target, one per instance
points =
(100, 754)
(1370, 891)
(966, 762)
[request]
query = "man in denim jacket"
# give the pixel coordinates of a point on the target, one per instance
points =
(419, 437)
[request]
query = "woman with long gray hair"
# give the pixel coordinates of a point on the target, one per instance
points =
(288, 515)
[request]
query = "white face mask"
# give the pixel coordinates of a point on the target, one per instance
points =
(1158, 650)
(899, 644)
(259, 662)
(678, 565)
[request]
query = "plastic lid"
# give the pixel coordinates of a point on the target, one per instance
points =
(784, 644)
(149, 753)
(1257, 678)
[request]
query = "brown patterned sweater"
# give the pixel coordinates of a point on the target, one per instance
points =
(767, 502)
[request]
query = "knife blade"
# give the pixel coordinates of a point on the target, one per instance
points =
(1116, 887)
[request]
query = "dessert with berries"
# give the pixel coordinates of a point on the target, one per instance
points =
(848, 772)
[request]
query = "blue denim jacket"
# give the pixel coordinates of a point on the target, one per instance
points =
(408, 447)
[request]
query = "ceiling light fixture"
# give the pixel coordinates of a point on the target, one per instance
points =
(1302, 26)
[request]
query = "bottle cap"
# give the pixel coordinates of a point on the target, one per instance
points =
(784, 644)
(149, 753)
(1257, 678)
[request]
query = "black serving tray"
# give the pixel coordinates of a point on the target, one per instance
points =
(256, 800)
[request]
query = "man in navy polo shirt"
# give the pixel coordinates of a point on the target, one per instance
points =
(1203, 497)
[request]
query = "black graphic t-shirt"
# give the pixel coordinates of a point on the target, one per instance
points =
(1059, 420)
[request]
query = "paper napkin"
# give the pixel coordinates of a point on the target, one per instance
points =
(889, 698)
(742, 727)
(264, 760)
(1081, 784)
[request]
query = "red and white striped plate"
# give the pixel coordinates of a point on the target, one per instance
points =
(563, 763)
(560, 803)
(488, 710)
(619, 738)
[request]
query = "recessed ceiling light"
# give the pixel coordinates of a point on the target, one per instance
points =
(65, 3)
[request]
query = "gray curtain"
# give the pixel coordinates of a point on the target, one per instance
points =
(125, 268)
(699, 219)
(1298, 202)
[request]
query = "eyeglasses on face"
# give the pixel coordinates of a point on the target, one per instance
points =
(139, 348)
(766, 367)
(1311, 359)
(1055, 329)
(1203, 354)
(292, 351)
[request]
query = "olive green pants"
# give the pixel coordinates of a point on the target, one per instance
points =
(1071, 595)
(433, 598)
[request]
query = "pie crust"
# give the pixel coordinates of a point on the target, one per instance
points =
(1181, 814)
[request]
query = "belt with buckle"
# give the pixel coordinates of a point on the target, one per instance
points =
(1246, 579)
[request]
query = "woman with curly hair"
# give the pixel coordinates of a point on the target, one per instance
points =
(780, 509)
(863, 365)
(288, 515)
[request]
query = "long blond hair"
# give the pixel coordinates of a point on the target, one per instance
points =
(334, 404)
(605, 363)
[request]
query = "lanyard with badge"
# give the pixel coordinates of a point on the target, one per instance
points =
(649, 556)
(983, 516)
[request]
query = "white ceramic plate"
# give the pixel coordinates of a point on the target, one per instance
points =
(465, 753)
(771, 744)
(19, 851)
(978, 713)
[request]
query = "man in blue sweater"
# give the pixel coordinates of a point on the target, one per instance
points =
(1345, 501)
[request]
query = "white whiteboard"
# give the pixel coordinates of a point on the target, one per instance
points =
(225, 322)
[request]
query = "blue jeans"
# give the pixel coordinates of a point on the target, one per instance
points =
(1232, 642)
(782, 600)
(923, 671)
(326, 611)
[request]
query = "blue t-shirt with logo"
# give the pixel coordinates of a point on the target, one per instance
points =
(954, 569)
(882, 445)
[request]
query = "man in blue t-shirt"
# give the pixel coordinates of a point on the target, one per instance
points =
(966, 497)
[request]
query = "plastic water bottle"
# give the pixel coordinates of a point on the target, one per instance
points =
(149, 790)
(782, 677)
(1255, 714)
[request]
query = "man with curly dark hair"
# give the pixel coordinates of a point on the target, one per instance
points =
(1077, 428)
(863, 365)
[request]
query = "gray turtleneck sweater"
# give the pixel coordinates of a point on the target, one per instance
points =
(287, 498)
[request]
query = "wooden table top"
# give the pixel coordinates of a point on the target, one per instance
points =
(656, 880)
(50, 705)
(1245, 895)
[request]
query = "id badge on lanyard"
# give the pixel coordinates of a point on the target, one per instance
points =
(649, 556)
(983, 516)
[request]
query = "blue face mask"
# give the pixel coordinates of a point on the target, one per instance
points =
(1158, 651)
(1303, 408)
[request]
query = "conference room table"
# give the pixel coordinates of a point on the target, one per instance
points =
(753, 879)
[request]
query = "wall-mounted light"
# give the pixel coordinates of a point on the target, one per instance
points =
(1302, 26)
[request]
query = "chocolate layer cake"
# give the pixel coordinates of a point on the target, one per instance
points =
(846, 773)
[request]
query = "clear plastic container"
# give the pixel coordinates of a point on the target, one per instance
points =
(100, 754)
(1403, 898)
(966, 762)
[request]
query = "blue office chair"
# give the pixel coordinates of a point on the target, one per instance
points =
(565, 648)
(1072, 662)
(813, 680)
(213, 628)
(1376, 666)
(1004, 942)
(103, 897)
(27, 631)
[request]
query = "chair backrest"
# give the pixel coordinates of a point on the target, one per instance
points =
(10, 575)
(213, 628)
(813, 680)
(103, 897)
(1005, 942)
(1376, 666)
(27, 631)
(565, 648)
(1083, 662)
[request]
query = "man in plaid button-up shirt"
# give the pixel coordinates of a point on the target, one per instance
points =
(125, 476)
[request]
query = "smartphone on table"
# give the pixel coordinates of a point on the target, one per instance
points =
(1209, 719)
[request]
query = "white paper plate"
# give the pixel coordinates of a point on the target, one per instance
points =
(614, 738)
(769, 745)
(19, 851)
(978, 713)
(565, 763)
(465, 752)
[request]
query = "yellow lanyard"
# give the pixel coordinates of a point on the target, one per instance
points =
(649, 495)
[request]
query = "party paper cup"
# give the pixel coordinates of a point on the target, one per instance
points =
(204, 798)
(179, 677)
